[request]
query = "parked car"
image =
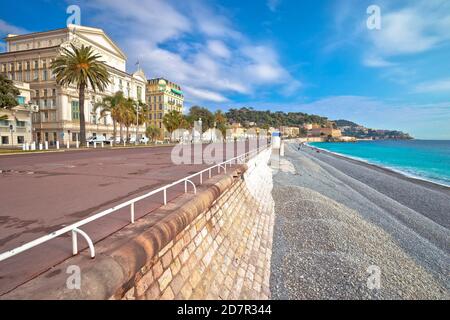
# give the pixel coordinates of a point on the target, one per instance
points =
(144, 140)
(97, 139)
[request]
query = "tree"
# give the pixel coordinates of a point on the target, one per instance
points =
(153, 132)
(128, 115)
(81, 67)
(111, 106)
(221, 122)
(8, 93)
(173, 121)
(196, 113)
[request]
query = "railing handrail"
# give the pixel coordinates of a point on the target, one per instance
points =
(74, 228)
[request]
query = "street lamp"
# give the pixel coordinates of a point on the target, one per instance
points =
(137, 123)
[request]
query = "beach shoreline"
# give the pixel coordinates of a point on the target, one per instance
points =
(388, 170)
(336, 217)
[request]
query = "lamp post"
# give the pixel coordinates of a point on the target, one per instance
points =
(137, 123)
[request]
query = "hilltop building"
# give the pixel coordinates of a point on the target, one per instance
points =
(28, 58)
(163, 96)
(290, 131)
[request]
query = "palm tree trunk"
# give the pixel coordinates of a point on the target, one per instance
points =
(121, 132)
(82, 117)
(128, 131)
(114, 132)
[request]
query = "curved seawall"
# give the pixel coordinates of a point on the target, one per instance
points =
(213, 245)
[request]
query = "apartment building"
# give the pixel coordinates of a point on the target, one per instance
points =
(163, 96)
(28, 58)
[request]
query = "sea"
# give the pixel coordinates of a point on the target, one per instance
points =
(421, 159)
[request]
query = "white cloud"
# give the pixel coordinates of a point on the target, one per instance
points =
(6, 28)
(205, 95)
(418, 27)
(442, 85)
(377, 62)
(191, 43)
(273, 4)
(219, 49)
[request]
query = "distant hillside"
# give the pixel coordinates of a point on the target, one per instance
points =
(277, 119)
(345, 123)
(352, 129)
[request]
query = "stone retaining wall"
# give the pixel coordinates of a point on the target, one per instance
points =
(215, 245)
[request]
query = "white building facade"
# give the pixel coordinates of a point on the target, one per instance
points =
(29, 58)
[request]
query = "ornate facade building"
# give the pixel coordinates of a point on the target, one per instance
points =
(28, 58)
(163, 96)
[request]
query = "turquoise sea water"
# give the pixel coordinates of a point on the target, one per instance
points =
(424, 159)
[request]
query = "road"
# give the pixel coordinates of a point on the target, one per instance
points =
(40, 193)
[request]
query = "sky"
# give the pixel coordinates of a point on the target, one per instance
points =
(323, 57)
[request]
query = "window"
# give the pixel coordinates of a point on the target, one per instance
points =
(4, 67)
(21, 124)
(27, 76)
(20, 139)
(20, 100)
(36, 75)
(36, 93)
(4, 123)
(44, 75)
(75, 110)
(54, 92)
(45, 92)
(28, 65)
(19, 66)
(5, 140)
(160, 106)
(36, 64)
(139, 93)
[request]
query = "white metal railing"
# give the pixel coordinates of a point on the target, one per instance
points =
(74, 228)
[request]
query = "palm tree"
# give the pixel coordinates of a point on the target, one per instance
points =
(81, 67)
(172, 121)
(153, 132)
(111, 106)
(128, 115)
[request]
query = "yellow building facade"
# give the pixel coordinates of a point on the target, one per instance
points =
(163, 96)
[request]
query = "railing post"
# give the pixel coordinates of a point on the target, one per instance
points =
(185, 186)
(165, 197)
(132, 212)
(74, 243)
(201, 178)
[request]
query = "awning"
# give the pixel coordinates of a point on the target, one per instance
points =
(23, 117)
(177, 92)
(10, 117)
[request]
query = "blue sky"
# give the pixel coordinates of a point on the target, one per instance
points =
(290, 55)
